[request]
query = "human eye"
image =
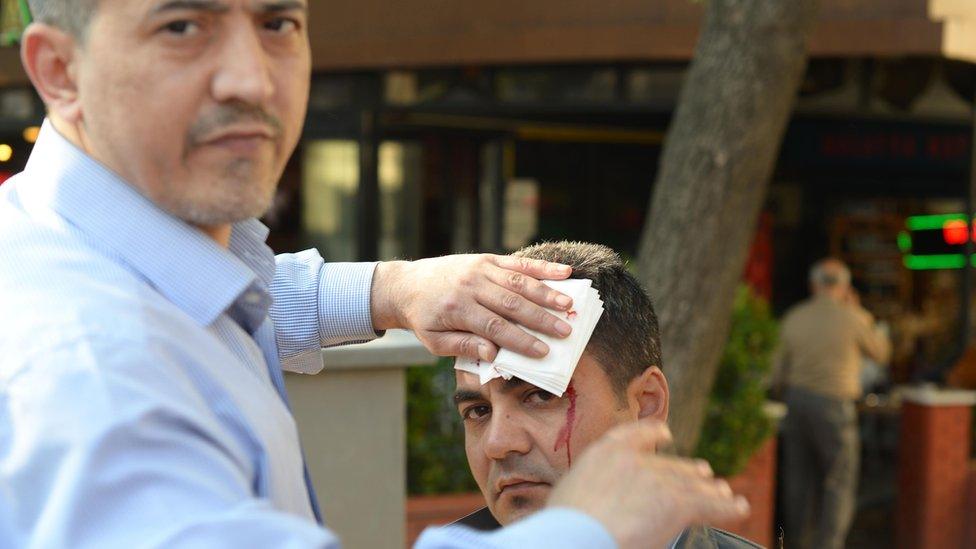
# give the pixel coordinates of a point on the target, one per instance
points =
(181, 27)
(539, 396)
(476, 412)
(282, 25)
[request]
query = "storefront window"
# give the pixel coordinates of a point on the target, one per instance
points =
(521, 213)
(400, 165)
(330, 185)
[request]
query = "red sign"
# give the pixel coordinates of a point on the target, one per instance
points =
(955, 232)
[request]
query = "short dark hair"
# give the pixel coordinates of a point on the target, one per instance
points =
(627, 339)
(72, 16)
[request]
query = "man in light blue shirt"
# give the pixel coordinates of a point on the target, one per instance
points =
(146, 323)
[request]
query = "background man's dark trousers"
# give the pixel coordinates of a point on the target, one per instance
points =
(821, 457)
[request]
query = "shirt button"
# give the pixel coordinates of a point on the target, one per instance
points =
(252, 298)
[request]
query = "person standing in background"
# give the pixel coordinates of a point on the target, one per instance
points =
(823, 343)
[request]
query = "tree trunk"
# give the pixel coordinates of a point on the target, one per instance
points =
(715, 168)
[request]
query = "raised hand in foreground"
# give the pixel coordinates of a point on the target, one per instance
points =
(643, 498)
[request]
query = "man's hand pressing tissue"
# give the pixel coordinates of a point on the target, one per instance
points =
(468, 305)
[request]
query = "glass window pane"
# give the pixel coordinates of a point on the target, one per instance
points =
(521, 213)
(400, 172)
(329, 188)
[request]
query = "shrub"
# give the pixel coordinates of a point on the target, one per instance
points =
(735, 424)
(436, 463)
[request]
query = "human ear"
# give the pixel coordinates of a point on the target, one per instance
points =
(649, 394)
(49, 55)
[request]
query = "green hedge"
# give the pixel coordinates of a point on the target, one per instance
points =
(735, 424)
(436, 463)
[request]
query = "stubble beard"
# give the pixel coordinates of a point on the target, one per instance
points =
(520, 506)
(235, 195)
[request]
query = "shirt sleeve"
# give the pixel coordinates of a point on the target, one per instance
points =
(110, 446)
(872, 341)
(318, 304)
(558, 527)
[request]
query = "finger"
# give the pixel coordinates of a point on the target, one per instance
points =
(503, 333)
(646, 435)
(716, 506)
(684, 470)
(704, 468)
(517, 308)
(723, 488)
(712, 500)
(536, 268)
(461, 344)
(527, 286)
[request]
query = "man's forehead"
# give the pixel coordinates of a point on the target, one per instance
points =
(471, 383)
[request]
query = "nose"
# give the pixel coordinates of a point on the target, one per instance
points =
(506, 435)
(244, 68)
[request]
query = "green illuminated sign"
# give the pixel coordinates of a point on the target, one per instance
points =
(931, 262)
(936, 241)
(932, 222)
(904, 242)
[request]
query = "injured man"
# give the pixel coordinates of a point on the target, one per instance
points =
(520, 439)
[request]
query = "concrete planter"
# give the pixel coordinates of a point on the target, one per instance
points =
(757, 482)
(424, 511)
(352, 423)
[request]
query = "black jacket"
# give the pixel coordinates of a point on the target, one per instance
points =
(694, 538)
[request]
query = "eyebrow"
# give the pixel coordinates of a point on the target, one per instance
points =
(198, 5)
(215, 6)
(467, 395)
(462, 395)
(284, 5)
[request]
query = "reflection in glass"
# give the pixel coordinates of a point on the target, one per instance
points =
(329, 188)
(400, 166)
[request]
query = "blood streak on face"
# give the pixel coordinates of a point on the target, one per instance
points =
(566, 433)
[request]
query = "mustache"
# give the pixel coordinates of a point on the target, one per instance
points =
(522, 466)
(229, 114)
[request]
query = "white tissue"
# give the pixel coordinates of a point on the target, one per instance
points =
(555, 370)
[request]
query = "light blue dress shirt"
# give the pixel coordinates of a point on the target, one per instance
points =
(141, 394)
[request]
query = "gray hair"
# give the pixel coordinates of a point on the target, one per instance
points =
(829, 273)
(626, 340)
(72, 16)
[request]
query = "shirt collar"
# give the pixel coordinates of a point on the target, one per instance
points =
(181, 262)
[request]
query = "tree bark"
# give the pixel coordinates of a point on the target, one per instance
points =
(715, 168)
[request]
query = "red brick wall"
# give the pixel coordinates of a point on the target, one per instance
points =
(933, 476)
(424, 511)
(758, 484)
(971, 507)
